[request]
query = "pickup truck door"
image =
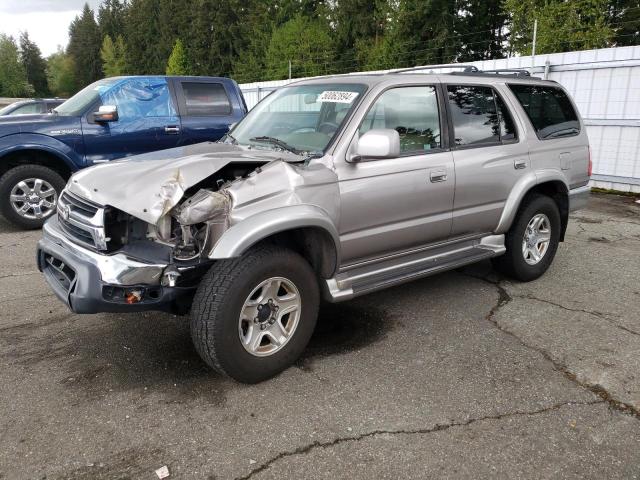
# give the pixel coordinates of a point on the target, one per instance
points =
(147, 120)
(208, 107)
(403, 203)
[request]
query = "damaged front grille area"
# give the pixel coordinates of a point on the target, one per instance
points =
(62, 273)
(82, 221)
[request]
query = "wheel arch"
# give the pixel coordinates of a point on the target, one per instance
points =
(549, 184)
(306, 229)
(41, 155)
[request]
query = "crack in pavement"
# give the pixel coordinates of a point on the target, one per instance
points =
(503, 299)
(600, 315)
(23, 274)
(439, 427)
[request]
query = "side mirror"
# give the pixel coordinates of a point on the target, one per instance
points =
(377, 144)
(106, 113)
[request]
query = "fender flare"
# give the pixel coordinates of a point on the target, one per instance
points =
(30, 143)
(240, 237)
(520, 189)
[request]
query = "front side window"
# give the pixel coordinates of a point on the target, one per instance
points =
(474, 115)
(549, 110)
(89, 95)
(412, 112)
(28, 109)
(139, 98)
(203, 99)
(299, 118)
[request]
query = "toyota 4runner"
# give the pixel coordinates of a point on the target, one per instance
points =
(329, 188)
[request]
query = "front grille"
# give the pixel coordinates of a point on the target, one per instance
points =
(81, 221)
(62, 273)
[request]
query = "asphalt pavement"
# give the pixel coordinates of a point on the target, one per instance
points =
(461, 375)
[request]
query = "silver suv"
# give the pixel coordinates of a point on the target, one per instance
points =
(329, 189)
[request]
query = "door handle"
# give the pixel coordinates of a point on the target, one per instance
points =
(172, 129)
(519, 164)
(438, 176)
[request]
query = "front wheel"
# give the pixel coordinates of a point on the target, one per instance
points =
(253, 316)
(532, 241)
(29, 194)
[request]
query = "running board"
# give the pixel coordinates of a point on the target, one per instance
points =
(387, 272)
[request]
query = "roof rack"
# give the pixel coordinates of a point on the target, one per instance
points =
(465, 68)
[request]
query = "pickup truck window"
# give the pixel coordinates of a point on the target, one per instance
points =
(302, 118)
(140, 98)
(549, 110)
(203, 99)
(86, 97)
(413, 112)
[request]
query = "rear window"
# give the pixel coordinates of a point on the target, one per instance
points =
(206, 99)
(549, 110)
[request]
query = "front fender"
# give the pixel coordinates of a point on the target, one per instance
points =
(519, 190)
(240, 237)
(33, 142)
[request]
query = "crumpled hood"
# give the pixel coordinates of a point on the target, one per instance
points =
(148, 186)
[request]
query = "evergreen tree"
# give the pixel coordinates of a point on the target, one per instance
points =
(34, 65)
(178, 63)
(13, 76)
(307, 43)
(61, 74)
(111, 18)
(562, 26)
(84, 47)
(624, 16)
(146, 50)
(256, 19)
(113, 56)
(481, 30)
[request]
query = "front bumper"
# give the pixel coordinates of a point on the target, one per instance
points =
(89, 282)
(579, 197)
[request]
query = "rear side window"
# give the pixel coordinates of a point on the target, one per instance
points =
(549, 110)
(474, 115)
(27, 109)
(204, 99)
(412, 112)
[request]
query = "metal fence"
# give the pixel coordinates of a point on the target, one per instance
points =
(605, 85)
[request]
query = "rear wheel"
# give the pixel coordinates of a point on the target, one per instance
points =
(29, 195)
(532, 241)
(253, 316)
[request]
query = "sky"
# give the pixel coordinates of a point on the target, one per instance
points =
(47, 21)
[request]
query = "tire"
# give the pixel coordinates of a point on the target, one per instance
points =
(51, 186)
(217, 326)
(517, 263)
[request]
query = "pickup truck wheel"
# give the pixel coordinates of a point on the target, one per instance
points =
(29, 194)
(253, 316)
(532, 241)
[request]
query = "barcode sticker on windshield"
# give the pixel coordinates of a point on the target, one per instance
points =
(336, 96)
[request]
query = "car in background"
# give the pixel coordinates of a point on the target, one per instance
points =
(110, 119)
(35, 105)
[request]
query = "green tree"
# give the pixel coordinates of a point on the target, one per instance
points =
(178, 63)
(113, 56)
(61, 74)
(306, 43)
(624, 16)
(111, 18)
(481, 29)
(34, 65)
(84, 46)
(146, 50)
(13, 76)
(562, 26)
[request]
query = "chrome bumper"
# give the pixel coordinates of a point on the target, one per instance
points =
(579, 197)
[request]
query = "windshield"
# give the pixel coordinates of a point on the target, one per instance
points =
(302, 119)
(77, 104)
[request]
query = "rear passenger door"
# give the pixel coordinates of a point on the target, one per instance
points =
(488, 155)
(205, 108)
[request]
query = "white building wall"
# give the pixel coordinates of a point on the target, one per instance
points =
(605, 84)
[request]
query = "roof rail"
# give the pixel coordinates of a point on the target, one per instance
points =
(465, 68)
(520, 72)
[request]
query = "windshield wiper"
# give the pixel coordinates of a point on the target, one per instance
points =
(564, 133)
(278, 142)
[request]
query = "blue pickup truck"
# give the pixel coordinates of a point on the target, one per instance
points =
(111, 118)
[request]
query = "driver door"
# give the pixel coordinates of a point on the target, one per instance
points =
(399, 204)
(147, 121)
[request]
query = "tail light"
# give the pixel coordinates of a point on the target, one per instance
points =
(590, 167)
